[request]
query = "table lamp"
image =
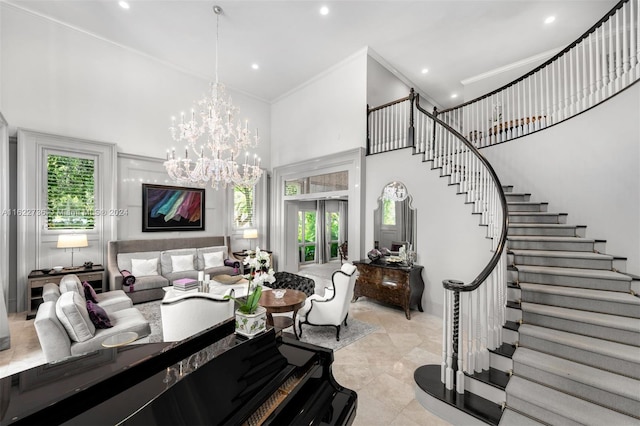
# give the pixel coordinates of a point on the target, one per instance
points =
(250, 234)
(72, 241)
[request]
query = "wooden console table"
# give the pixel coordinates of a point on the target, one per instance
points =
(37, 279)
(396, 284)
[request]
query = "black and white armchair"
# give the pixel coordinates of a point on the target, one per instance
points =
(333, 307)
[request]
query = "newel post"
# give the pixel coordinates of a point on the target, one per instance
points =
(411, 131)
(368, 132)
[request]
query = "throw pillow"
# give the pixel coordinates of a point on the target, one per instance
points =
(98, 316)
(144, 267)
(89, 292)
(213, 259)
(182, 263)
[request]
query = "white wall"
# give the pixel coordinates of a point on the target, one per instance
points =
(382, 85)
(450, 242)
(324, 116)
(586, 167)
(58, 80)
(133, 171)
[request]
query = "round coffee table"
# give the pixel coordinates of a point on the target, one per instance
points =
(120, 339)
(290, 302)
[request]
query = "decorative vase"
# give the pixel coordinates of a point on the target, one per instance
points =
(249, 325)
(374, 255)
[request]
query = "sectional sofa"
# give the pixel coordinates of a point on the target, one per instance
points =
(156, 263)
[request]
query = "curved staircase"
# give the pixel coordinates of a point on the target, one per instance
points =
(578, 322)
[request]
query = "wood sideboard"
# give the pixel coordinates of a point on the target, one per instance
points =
(396, 284)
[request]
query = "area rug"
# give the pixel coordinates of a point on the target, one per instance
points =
(316, 335)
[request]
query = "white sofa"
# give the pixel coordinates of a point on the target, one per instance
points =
(121, 254)
(64, 327)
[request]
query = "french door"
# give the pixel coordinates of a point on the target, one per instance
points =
(306, 236)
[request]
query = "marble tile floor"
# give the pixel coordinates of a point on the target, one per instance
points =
(379, 367)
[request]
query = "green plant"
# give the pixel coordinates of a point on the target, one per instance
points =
(259, 272)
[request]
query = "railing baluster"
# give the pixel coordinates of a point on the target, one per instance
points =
(625, 48)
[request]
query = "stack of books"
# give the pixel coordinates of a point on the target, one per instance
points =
(185, 284)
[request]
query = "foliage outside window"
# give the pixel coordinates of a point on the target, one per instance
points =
(333, 225)
(243, 198)
(388, 212)
(70, 192)
(307, 235)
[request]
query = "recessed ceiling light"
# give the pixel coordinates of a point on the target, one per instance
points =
(550, 19)
(324, 10)
(255, 66)
(123, 4)
(425, 70)
(454, 95)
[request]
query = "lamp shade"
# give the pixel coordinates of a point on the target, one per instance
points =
(250, 233)
(72, 240)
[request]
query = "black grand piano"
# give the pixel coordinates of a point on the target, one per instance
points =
(212, 378)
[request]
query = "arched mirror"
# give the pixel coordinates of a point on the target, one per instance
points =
(394, 221)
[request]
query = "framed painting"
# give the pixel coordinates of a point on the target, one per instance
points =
(172, 208)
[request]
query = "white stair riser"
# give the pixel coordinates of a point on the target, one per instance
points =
(514, 315)
(583, 304)
(579, 389)
(484, 390)
(593, 330)
(515, 230)
(500, 362)
(585, 246)
(513, 294)
(620, 265)
(600, 247)
(518, 197)
(583, 356)
(528, 207)
(564, 262)
(509, 336)
(571, 281)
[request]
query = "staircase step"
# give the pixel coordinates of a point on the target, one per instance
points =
(574, 277)
(537, 217)
(563, 259)
(517, 196)
(605, 302)
(546, 229)
(526, 206)
(603, 354)
(611, 390)
(557, 408)
(429, 386)
(603, 326)
(505, 350)
(552, 243)
(492, 377)
(512, 418)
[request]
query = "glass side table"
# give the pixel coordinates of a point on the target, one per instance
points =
(120, 339)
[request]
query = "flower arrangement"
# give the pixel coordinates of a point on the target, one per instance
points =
(260, 272)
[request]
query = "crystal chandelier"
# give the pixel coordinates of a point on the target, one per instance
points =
(395, 191)
(215, 141)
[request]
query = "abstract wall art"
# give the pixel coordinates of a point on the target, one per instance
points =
(172, 208)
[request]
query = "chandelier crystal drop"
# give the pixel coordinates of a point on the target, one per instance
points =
(216, 141)
(395, 191)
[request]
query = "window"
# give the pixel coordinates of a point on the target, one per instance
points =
(328, 182)
(306, 236)
(388, 212)
(243, 206)
(70, 192)
(333, 233)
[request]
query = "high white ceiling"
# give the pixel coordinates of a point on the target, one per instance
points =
(292, 42)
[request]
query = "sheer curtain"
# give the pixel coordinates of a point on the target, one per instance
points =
(344, 220)
(321, 233)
